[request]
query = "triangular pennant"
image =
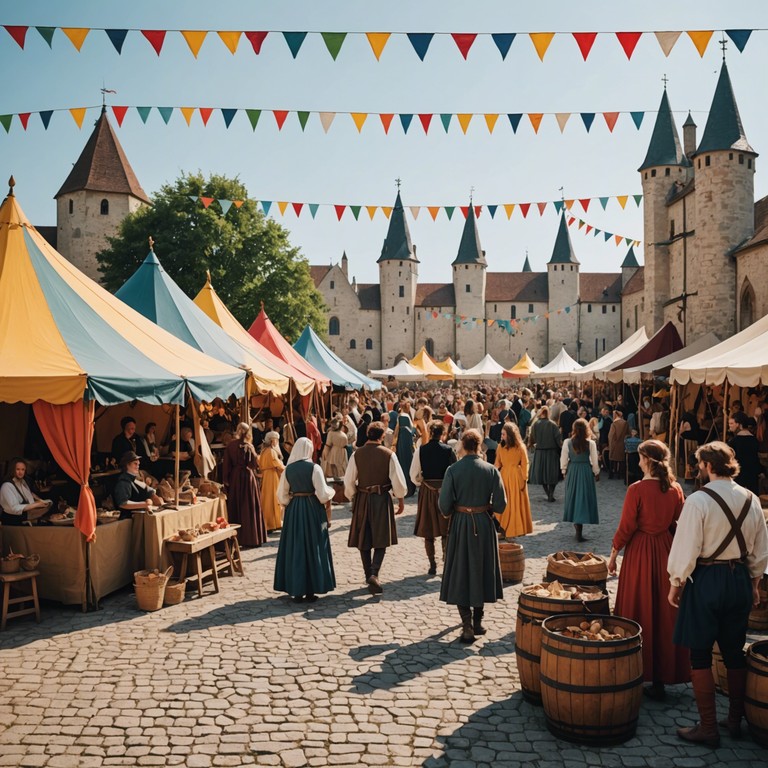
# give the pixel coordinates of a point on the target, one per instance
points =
(238, 203)
(597, 232)
(464, 121)
(503, 42)
(607, 236)
(535, 118)
(281, 206)
(587, 118)
(637, 118)
(581, 223)
(610, 119)
(464, 41)
(231, 40)
(206, 201)
(514, 121)
(415, 209)
(542, 207)
(571, 220)
(228, 114)
(585, 41)
(333, 42)
(47, 34)
(446, 121)
(313, 209)
(144, 113)
(266, 205)
(558, 206)
(24, 119)
(165, 113)
(377, 41)
(225, 206)
(618, 239)
(76, 35)
(193, 198)
(355, 211)
(508, 208)
(386, 121)
(541, 41)
(449, 209)
(195, 39)
(156, 38)
(386, 210)
(524, 208)
(359, 119)
(588, 229)
(492, 210)
(562, 118)
(420, 42)
(205, 114)
(740, 37)
(187, 112)
(78, 114)
(294, 41)
(603, 201)
(425, 120)
(256, 39)
(433, 211)
(405, 121)
(628, 240)
(280, 117)
(464, 210)
(326, 120)
(5, 121)
(19, 34)
(303, 117)
(119, 113)
(667, 41)
(371, 210)
(568, 204)
(638, 199)
(628, 41)
(622, 199)
(700, 38)
(490, 121)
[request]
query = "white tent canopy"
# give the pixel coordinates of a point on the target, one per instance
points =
(561, 366)
(634, 375)
(742, 359)
(616, 356)
(487, 368)
(403, 371)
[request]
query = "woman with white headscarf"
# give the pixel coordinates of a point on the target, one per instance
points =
(271, 467)
(304, 567)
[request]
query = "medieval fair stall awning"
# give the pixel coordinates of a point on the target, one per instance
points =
(152, 292)
(403, 371)
(561, 367)
(524, 368)
(625, 350)
(311, 347)
(662, 366)
(449, 366)
(665, 341)
(487, 369)
(425, 363)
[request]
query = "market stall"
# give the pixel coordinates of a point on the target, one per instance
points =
(524, 368)
(666, 341)
(403, 371)
(559, 368)
(423, 362)
(600, 367)
(486, 370)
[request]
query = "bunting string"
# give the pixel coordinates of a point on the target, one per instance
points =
(511, 326)
(589, 229)
(420, 42)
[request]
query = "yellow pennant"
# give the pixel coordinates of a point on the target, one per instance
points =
(187, 112)
(562, 119)
(78, 114)
(508, 208)
(535, 118)
(667, 41)
(76, 35)
(231, 40)
(622, 200)
(541, 41)
(700, 39)
(464, 121)
(386, 210)
(490, 322)
(371, 210)
(568, 204)
(359, 118)
(195, 39)
(377, 42)
(490, 121)
(433, 211)
(282, 207)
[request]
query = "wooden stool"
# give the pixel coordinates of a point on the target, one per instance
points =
(233, 557)
(6, 579)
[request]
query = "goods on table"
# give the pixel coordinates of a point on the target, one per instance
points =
(167, 491)
(208, 488)
(512, 561)
(104, 516)
(593, 630)
(756, 699)
(64, 518)
(191, 534)
(30, 562)
(558, 591)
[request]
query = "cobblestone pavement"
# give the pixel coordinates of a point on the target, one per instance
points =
(247, 677)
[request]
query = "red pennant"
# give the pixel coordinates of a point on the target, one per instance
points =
(119, 113)
(156, 38)
(628, 41)
(465, 210)
(205, 114)
(524, 208)
(297, 207)
(425, 121)
(571, 219)
(19, 34)
(585, 41)
(206, 201)
(434, 314)
(542, 207)
(24, 118)
(588, 229)
(256, 39)
(610, 119)
(280, 116)
(478, 211)
(386, 121)
(339, 211)
(464, 41)
(584, 203)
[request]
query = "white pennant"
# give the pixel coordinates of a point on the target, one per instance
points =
(667, 41)
(415, 211)
(562, 119)
(326, 119)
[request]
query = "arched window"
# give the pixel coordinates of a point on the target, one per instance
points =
(71, 206)
(352, 344)
(105, 207)
(514, 312)
(429, 345)
(369, 343)
(333, 326)
(746, 306)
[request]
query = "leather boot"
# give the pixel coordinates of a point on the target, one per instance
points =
(467, 633)
(429, 547)
(579, 532)
(737, 685)
(477, 621)
(705, 731)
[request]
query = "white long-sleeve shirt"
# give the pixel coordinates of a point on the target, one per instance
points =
(15, 496)
(322, 490)
(396, 478)
(415, 472)
(565, 456)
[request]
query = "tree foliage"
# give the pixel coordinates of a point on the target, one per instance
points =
(248, 255)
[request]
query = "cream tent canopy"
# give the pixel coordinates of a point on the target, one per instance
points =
(403, 371)
(661, 366)
(486, 369)
(449, 366)
(616, 356)
(560, 367)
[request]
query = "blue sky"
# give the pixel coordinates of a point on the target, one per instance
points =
(343, 166)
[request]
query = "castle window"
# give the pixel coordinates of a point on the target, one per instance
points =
(466, 266)
(589, 307)
(635, 318)
(71, 206)
(613, 308)
(671, 228)
(730, 155)
(646, 174)
(401, 291)
(494, 308)
(699, 165)
(571, 267)
(393, 309)
(741, 159)
(666, 171)
(352, 344)
(418, 314)
(369, 343)
(333, 326)
(530, 308)
(605, 309)
(401, 263)
(429, 345)
(333, 284)
(653, 173)
(407, 310)
(707, 160)
(628, 320)
(603, 345)
(514, 311)
(104, 208)
(468, 288)
(749, 163)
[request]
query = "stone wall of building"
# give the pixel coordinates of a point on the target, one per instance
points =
(438, 333)
(600, 330)
(398, 300)
(752, 280)
(632, 313)
(469, 289)
(563, 283)
(507, 349)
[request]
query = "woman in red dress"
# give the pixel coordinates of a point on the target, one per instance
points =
(651, 509)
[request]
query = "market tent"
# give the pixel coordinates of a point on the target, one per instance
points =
(208, 300)
(311, 347)
(665, 341)
(662, 366)
(616, 356)
(524, 368)
(449, 366)
(742, 359)
(487, 368)
(151, 291)
(560, 367)
(263, 330)
(403, 371)
(424, 362)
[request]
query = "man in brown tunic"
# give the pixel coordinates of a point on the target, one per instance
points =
(373, 471)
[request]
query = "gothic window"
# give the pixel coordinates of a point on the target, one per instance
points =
(104, 207)
(333, 326)
(746, 306)
(530, 309)
(401, 291)
(71, 206)
(352, 344)
(429, 345)
(514, 311)
(605, 309)
(369, 343)
(333, 284)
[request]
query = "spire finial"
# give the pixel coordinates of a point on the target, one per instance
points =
(104, 92)
(562, 195)
(723, 44)
(208, 276)
(471, 194)
(11, 185)
(398, 182)
(151, 244)
(665, 80)
(261, 303)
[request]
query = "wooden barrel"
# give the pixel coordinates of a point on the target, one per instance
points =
(512, 560)
(719, 672)
(758, 617)
(569, 568)
(591, 690)
(531, 611)
(756, 699)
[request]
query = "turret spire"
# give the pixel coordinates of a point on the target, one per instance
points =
(664, 148)
(470, 251)
(398, 245)
(563, 253)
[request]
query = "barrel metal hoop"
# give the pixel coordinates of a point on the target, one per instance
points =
(756, 703)
(523, 619)
(527, 655)
(568, 688)
(563, 725)
(591, 656)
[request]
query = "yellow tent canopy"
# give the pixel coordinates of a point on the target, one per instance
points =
(423, 362)
(448, 366)
(522, 369)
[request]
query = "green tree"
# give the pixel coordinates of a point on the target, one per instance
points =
(248, 255)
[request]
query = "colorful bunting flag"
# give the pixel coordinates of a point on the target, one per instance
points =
(295, 41)
(195, 40)
(47, 34)
(503, 42)
(463, 42)
(333, 42)
(378, 41)
(667, 41)
(541, 41)
(231, 40)
(78, 114)
(628, 41)
(585, 41)
(420, 42)
(19, 34)
(156, 38)
(256, 39)
(76, 36)
(700, 39)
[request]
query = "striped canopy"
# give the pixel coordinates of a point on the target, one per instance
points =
(65, 338)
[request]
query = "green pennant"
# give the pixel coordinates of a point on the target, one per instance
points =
(144, 113)
(355, 210)
(5, 121)
(165, 113)
(603, 201)
(47, 34)
(446, 121)
(449, 209)
(333, 42)
(628, 240)
(303, 117)
(638, 199)
(253, 116)
(313, 209)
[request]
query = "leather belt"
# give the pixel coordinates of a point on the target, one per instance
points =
(299, 495)
(472, 510)
(379, 489)
(731, 563)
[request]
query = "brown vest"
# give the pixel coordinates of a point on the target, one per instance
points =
(372, 465)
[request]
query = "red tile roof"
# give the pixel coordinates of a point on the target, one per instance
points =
(435, 295)
(635, 283)
(600, 287)
(516, 286)
(317, 272)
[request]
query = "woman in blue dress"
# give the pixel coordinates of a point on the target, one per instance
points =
(403, 443)
(578, 461)
(304, 567)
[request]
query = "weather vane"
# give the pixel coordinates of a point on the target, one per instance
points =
(723, 45)
(397, 181)
(665, 80)
(471, 194)
(104, 92)
(562, 196)
(151, 243)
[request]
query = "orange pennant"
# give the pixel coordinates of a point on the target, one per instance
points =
(386, 121)
(568, 204)
(541, 41)
(377, 41)
(535, 118)
(282, 207)
(238, 203)
(76, 35)
(195, 39)
(610, 119)
(542, 207)
(231, 40)
(508, 208)
(359, 119)
(280, 117)
(386, 210)
(187, 112)
(206, 201)
(490, 121)
(78, 114)
(205, 114)
(371, 210)
(464, 121)
(433, 211)
(618, 239)
(700, 39)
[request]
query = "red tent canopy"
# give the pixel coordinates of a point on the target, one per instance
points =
(664, 342)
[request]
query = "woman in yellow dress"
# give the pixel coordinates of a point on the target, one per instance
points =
(271, 467)
(512, 463)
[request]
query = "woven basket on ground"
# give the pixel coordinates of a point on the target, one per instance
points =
(174, 592)
(150, 589)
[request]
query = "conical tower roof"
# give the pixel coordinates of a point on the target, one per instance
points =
(103, 166)
(527, 264)
(563, 253)
(664, 148)
(630, 260)
(397, 245)
(470, 251)
(724, 129)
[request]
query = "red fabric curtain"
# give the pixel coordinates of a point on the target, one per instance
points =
(68, 431)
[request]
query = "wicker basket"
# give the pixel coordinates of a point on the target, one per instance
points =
(10, 566)
(174, 592)
(577, 568)
(150, 589)
(30, 562)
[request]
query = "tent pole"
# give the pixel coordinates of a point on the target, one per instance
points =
(672, 423)
(178, 449)
(726, 398)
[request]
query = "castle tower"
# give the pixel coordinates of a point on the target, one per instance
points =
(689, 136)
(527, 264)
(664, 165)
(469, 288)
(563, 284)
(398, 278)
(724, 164)
(100, 191)
(629, 266)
